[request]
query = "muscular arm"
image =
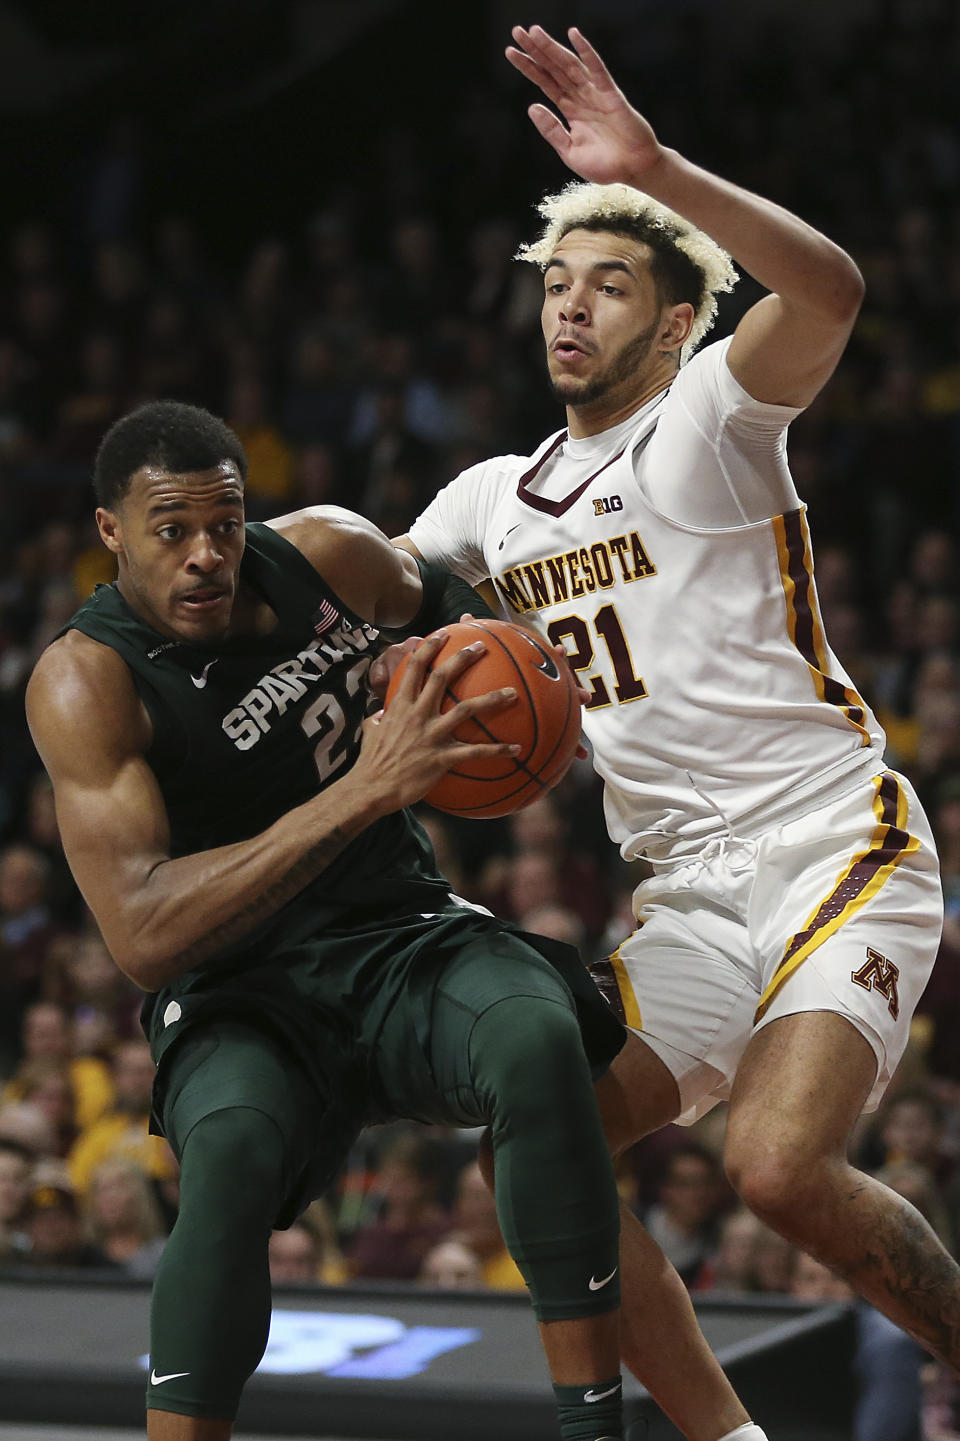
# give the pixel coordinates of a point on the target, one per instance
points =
(788, 344)
(378, 582)
(162, 916)
(485, 590)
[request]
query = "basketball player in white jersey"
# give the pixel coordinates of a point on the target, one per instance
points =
(794, 910)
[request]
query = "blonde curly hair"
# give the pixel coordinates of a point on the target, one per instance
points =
(687, 264)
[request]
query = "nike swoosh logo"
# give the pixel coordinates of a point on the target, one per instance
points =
(596, 1285)
(200, 681)
(546, 662)
(510, 532)
(589, 1396)
(156, 1380)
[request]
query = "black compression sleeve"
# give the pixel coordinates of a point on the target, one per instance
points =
(445, 599)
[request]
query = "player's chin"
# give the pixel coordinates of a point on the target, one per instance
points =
(566, 388)
(573, 389)
(197, 625)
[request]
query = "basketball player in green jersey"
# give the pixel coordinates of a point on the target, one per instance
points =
(238, 828)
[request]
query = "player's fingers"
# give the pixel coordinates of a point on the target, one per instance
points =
(445, 673)
(592, 62)
(566, 67)
(386, 664)
(582, 753)
(563, 659)
(551, 129)
(537, 75)
(418, 665)
(476, 706)
(564, 71)
(463, 752)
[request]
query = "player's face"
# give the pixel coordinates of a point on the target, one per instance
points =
(179, 540)
(601, 316)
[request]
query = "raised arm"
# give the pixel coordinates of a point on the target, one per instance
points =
(788, 344)
(162, 916)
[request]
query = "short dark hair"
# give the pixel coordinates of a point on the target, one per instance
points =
(676, 276)
(167, 433)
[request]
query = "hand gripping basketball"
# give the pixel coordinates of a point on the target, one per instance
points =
(544, 721)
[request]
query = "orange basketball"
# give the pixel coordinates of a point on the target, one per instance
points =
(544, 720)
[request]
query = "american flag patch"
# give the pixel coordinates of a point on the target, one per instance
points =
(325, 616)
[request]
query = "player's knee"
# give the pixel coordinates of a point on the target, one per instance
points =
(527, 1055)
(232, 1167)
(775, 1182)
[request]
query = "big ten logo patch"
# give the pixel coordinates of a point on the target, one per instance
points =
(606, 504)
(879, 974)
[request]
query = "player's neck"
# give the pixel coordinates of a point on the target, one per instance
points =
(611, 410)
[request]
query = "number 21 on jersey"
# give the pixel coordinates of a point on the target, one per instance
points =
(628, 685)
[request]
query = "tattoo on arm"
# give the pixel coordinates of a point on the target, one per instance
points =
(265, 903)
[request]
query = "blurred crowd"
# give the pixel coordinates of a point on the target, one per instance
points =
(364, 358)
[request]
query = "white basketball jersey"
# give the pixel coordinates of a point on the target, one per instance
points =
(715, 702)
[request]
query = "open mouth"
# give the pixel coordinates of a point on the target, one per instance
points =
(568, 349)
(202, 600)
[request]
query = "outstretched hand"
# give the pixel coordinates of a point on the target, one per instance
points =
(605, 139)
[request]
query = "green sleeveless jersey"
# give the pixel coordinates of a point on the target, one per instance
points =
(246, 731)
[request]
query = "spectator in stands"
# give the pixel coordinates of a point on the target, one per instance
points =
(54, 1229)
(295, 1256)
(547, 869)
(47, 1085)
(269, 481)
(48, 1037)
(122, 1131)
(26, 1126)
(123, 1218)
(684, 1219)
(308, 1250)
(774, 1263)
(559, 922)
(103, 1003)
(27, 934)
(410, 1219)
(911, 1129)
(475, 1227)
(730, 1266)
(452, 1266)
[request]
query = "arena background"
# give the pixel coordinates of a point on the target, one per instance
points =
(302, 215)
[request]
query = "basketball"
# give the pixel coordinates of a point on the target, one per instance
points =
(544, 720)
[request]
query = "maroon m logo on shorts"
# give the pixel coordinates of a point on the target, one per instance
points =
(879, 974)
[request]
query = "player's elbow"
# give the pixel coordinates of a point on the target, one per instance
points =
(144, 954)
(851, 290)
(145, 965)
(841, 299)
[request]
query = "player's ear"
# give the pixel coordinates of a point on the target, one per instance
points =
(108, 524)
(677, 325)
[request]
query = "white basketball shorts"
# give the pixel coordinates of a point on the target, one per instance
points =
(839, 910)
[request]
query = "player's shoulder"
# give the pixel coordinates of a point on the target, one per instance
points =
(75, 662)
(335, 541)
(707, 367)
(315, 528)
(76, 681)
